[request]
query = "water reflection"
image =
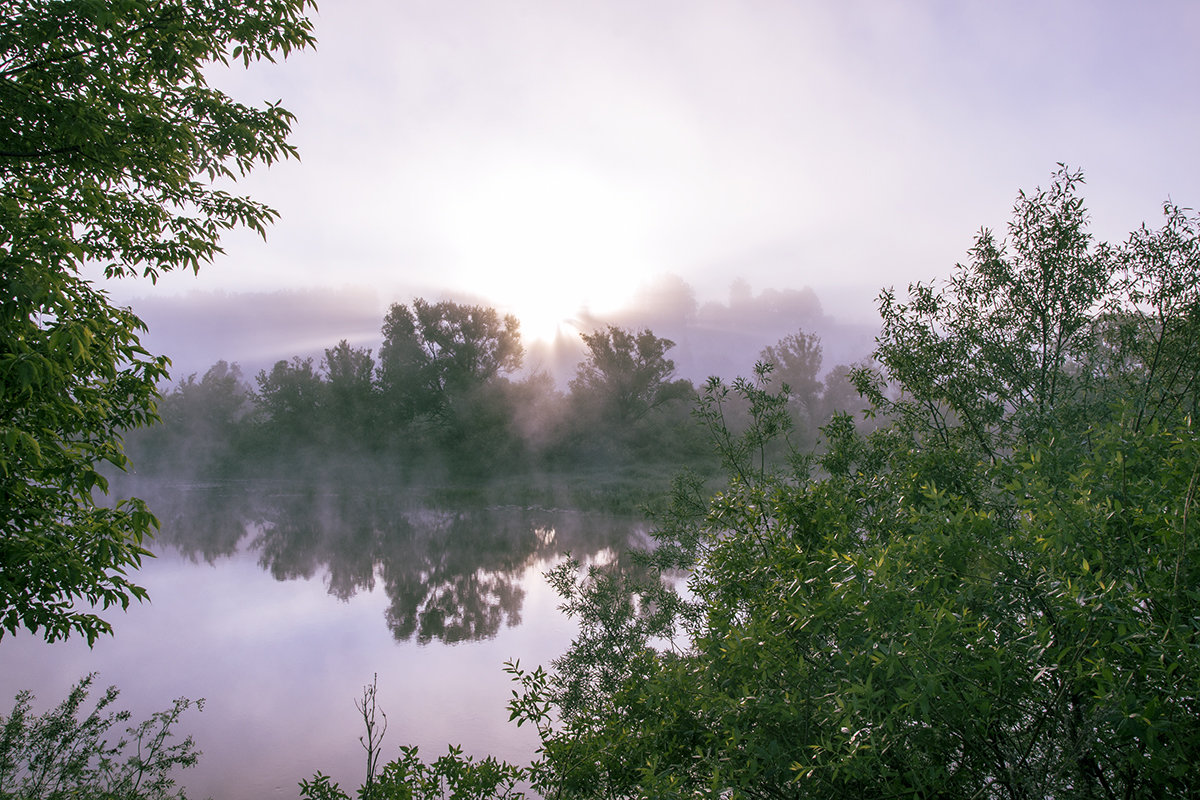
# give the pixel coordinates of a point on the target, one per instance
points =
(449, 575)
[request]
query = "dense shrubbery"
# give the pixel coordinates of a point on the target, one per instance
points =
(993, 595)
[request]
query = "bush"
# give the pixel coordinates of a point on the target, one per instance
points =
(60, 755)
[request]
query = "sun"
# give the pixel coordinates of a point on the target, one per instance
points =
(544, 241)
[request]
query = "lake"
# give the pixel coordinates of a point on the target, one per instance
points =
(277, 602)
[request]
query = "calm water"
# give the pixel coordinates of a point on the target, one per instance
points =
(278, 602)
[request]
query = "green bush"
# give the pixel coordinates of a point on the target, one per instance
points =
(61, 755)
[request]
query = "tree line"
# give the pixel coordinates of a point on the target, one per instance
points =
(441, 400)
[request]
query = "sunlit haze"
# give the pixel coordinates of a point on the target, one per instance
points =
(553, 237)
(554, 159)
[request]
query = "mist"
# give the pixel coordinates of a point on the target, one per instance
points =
(721, 336)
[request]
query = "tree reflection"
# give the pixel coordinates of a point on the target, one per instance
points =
(450, 575)
(203, 522)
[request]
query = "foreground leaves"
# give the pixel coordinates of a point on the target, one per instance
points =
(62, 754)
(992, 596)
(110, 143)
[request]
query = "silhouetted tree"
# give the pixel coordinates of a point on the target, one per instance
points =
(625, 374)
(433, 352)
(796, 362)
(290, 401)
(201, 424)
(839, 394)
(351, 394)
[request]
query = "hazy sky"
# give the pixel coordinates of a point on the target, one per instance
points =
(546, 155)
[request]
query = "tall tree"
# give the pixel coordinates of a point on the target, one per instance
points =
(351, 393)
(201, 420)
(625, 374)
(434, 352)
(292, 400)
(110, 143)
(795, 362)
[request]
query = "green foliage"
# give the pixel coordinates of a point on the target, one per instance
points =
(748, 423)
(1147, 345)
(625, 374)
(74, 378)
(110, 139)
(435, 352)
(61, 755)
(111, 135)
(450, 777)
(846, 635)
(992, 596)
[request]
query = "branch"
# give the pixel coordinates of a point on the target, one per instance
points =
(83, 52)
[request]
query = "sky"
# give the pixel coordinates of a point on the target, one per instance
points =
(550, 158)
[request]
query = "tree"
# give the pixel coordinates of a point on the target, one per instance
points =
(1147, 344)
(839, 393)
(796, 359)
(111, 143)
(200, 423)
(993, 350)
(795, 362)
(64, 753)
(291, 400)
(625, 374)
(1050, 332)
(617, 400)
(432, 353)
(349, 374)
(993, 596)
